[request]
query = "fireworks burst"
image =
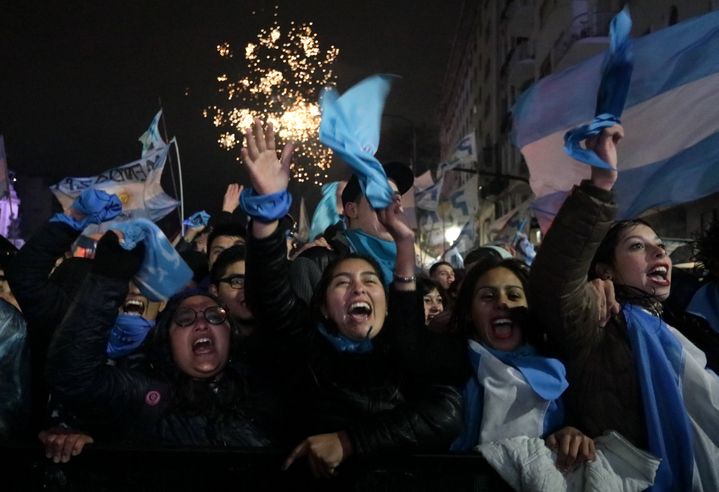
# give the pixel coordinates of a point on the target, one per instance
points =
(285, 72)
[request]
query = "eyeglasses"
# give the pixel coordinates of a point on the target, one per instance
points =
(236, 281)
(215, 315)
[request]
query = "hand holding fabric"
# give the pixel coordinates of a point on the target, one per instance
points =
(605, 146)
(114, 261)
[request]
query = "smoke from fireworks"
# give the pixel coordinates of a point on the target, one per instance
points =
(283, 76)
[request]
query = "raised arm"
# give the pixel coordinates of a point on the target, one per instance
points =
(76, 367)
(268, 290)
(560, 292)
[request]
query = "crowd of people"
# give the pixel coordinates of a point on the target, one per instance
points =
(369, 352)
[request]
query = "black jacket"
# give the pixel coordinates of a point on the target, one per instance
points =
(373, 397)
(142, 405)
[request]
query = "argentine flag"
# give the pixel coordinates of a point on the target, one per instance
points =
(670, 154)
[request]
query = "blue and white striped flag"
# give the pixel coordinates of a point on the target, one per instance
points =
(671, 151)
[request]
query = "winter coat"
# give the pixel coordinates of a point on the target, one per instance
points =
(137, 405)
(369, 395)
(604, 392)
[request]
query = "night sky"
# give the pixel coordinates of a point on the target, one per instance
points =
(80, 81)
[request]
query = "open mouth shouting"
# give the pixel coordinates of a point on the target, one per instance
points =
(134, 306)
(659, 275)
(502, 328)
(203, 345)
(359, 312)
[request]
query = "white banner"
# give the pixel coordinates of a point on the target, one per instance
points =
(137, 184)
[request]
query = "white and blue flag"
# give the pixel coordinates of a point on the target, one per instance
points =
(670, 154)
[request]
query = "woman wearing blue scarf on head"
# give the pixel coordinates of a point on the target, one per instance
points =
(631, 372)
(351, 395)
(513, 390)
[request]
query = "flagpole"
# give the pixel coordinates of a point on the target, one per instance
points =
(182, 196)
(172, 169)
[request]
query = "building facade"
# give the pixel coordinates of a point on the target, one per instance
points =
(501, 47)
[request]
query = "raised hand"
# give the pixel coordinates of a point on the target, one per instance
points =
(268, 174)
(231, 199)
(605, 145)
(392, 220)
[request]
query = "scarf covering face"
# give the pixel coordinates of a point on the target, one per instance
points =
(520, 391)
(127, 334)
(343, 344)
(382, 251)
(660, 362)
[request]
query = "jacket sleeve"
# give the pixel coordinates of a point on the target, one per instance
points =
(76, 367)
(42, 301)
(269, 293)
(559, 290)
(429, 422)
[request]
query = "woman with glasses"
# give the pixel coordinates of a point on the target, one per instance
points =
(188, 395)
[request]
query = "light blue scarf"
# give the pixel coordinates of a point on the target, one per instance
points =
(163, 272)
(127, 334)
(660, 362)
(343, 344)
(616, 76)
(350, 126)
(546, 376)
(381, 250)
(705, 304)
(326, 211)
(97, 206)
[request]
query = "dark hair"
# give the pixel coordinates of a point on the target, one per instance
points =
(233, 229)
(478, 254)
(435, 266)
(318, 297)
(706, 248)
(606, 250)
(225, 259)
(461, 321)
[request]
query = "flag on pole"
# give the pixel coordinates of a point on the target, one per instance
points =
(151, 139)
(137, 184)
(670, 154)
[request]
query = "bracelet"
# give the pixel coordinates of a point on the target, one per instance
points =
(404, 280)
